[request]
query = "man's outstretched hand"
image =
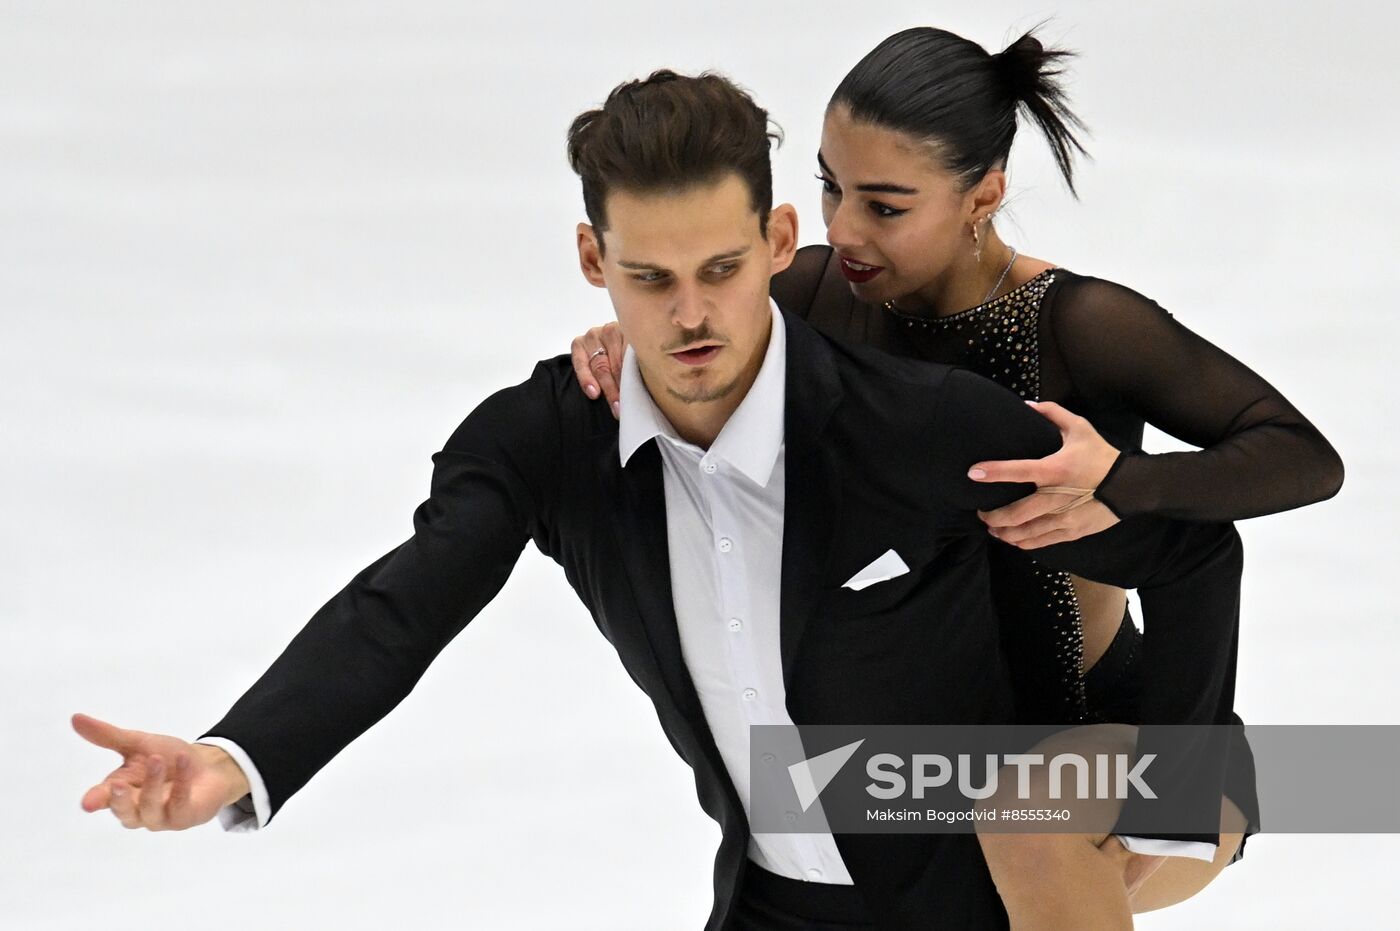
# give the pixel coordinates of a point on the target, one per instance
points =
(164, 783)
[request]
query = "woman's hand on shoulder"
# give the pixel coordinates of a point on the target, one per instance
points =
(597, 358)
(1053, 516)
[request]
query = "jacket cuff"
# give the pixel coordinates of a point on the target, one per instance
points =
(1161, 847)
(253, 810)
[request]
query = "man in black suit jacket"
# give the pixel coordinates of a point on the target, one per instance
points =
(876, 452)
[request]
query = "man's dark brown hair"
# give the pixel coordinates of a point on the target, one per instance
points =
(668, 133)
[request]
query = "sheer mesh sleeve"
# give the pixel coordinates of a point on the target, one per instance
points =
(1258, 454)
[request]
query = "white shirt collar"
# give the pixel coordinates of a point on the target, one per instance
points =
(752, 437)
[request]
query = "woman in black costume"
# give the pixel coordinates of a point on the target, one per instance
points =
(913, 166)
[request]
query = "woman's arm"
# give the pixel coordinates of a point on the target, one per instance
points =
(1258, 454)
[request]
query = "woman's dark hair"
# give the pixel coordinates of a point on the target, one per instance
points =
(671, 132)
(940, 87)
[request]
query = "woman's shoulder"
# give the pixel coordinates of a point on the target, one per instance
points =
(1075, 300)
(795, 287)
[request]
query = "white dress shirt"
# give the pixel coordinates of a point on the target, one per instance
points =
(724, 520)
(724, 529)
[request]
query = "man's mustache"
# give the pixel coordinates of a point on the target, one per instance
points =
(700, 334)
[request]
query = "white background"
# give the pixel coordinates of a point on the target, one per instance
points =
(257, 260)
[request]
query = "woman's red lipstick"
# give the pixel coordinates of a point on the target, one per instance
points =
(859, 272)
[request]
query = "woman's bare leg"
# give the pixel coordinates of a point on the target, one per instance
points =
(1059, 882)
(1179, 878)
(1050, 882)
(1101, 610)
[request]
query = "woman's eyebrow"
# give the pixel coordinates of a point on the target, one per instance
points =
(881, 187)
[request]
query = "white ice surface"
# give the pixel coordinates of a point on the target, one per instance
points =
(257, 260)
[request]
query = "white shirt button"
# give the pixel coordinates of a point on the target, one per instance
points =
(725, 544)
(735, 624)
(710, 468)
(814, 874)
(750, 694)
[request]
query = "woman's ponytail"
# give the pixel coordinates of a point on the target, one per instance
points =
(946, 90)
(1031, 74)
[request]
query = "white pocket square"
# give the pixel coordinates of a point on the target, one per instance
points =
(886, 567)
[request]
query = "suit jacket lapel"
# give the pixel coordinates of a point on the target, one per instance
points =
(812, 495)
(639, 495)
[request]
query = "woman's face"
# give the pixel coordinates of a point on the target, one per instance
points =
(896, 218)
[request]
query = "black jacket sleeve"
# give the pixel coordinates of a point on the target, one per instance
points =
(978, 420)
(367, 647)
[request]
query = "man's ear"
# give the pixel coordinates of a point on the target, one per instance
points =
(590, 255)
(984, 199)
(782, 235)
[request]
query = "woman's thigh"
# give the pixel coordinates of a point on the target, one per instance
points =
(1179, 878)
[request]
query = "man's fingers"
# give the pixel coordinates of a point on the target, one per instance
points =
(582, 372)
(123, 805)
(151, 806)
(1010, 470)
(103, 734)
(180, 790)
(96, 798)
(99, 796)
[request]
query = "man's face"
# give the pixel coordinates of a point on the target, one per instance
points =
(687, 272)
